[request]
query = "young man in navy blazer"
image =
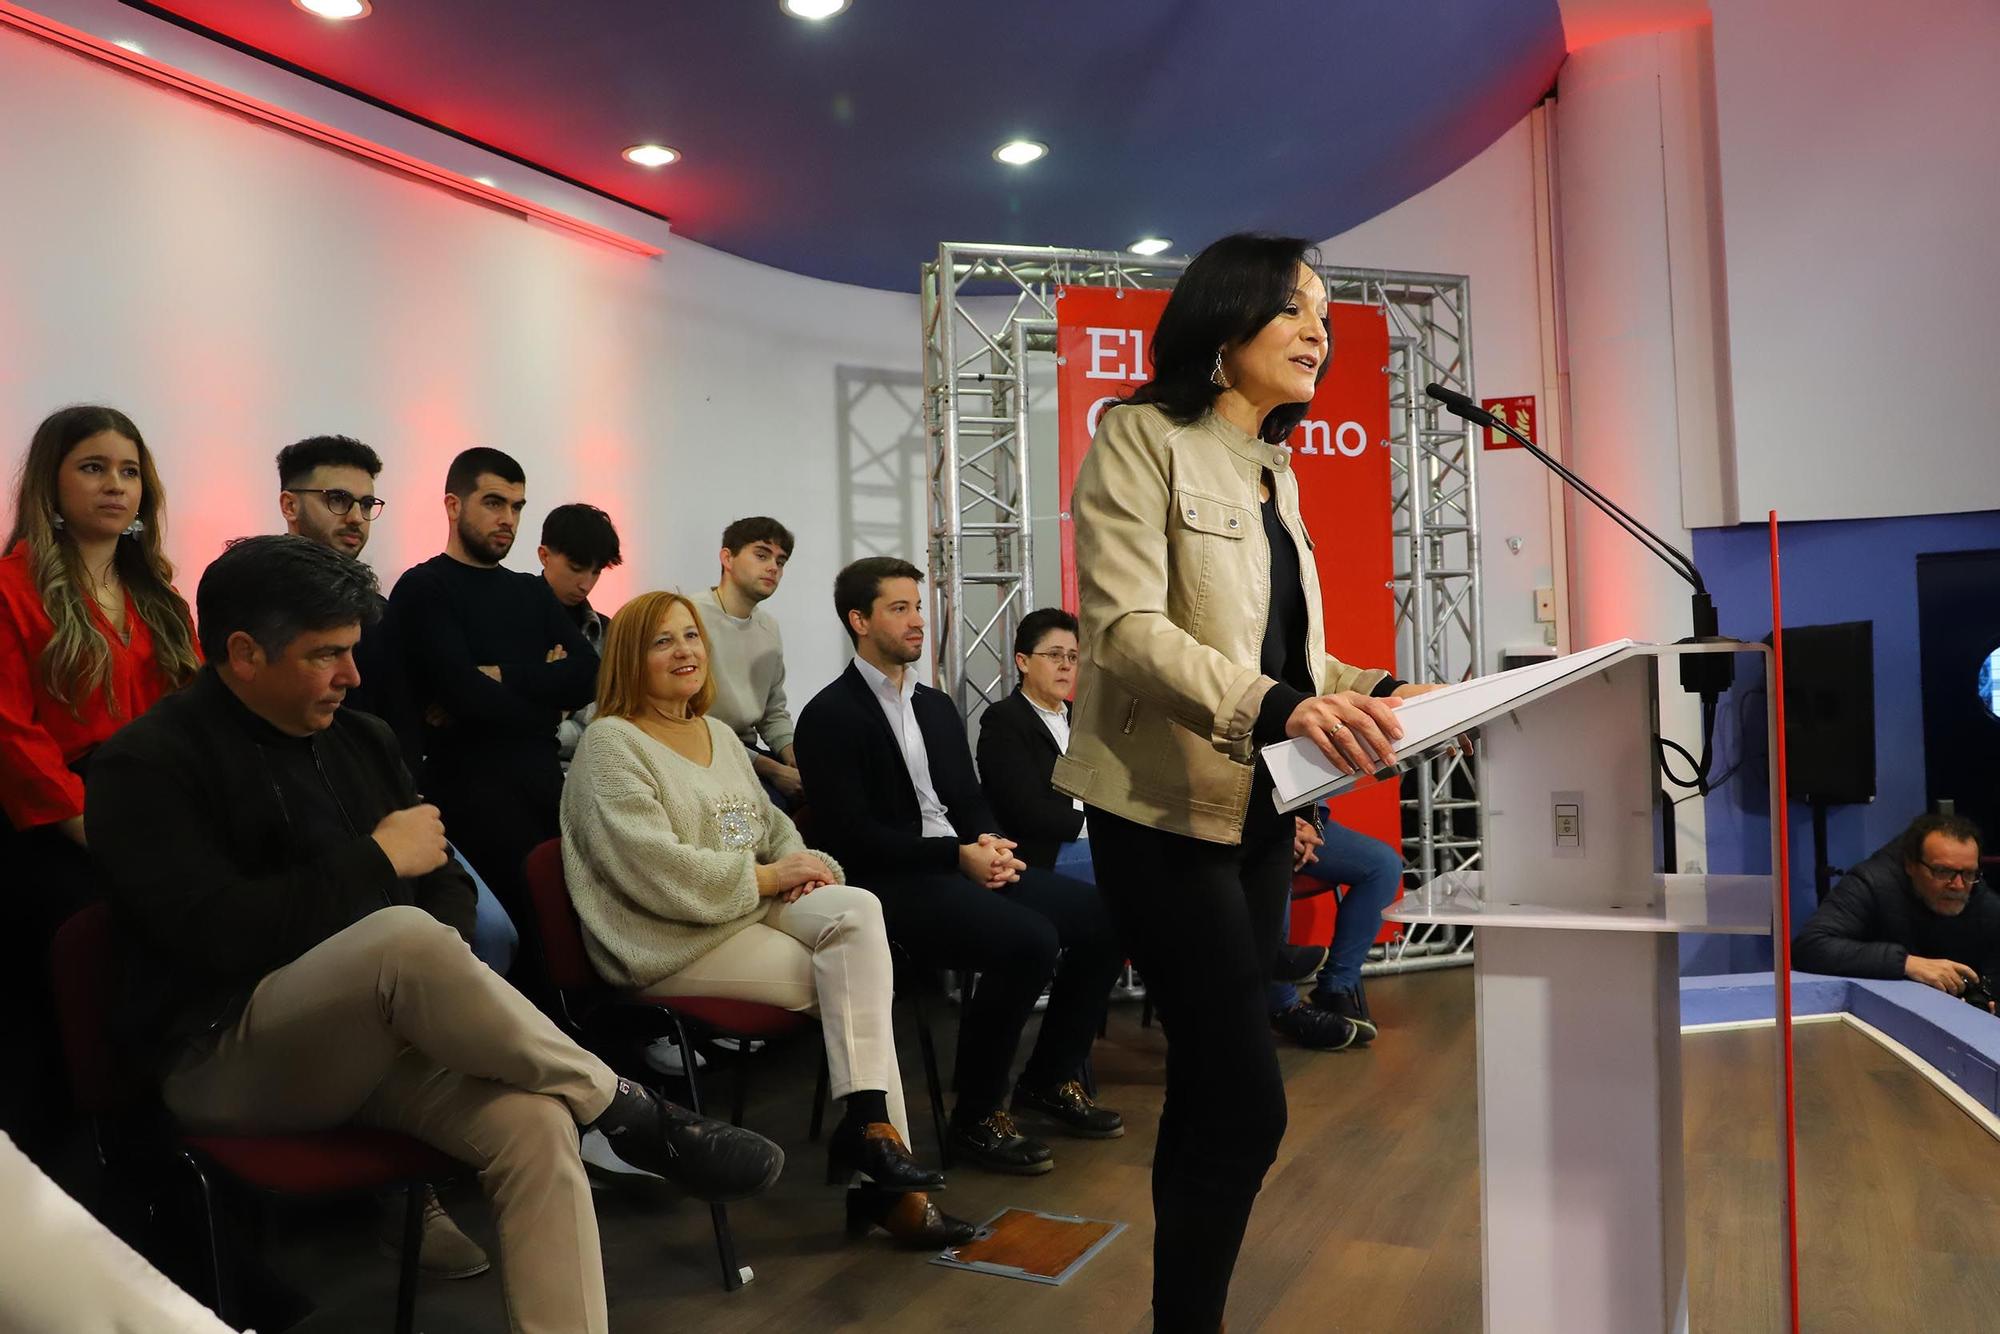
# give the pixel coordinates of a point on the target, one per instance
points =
(896, 800)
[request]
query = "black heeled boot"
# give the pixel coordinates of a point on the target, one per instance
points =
(876, 1151)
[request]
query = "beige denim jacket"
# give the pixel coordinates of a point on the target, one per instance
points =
(1174, 575)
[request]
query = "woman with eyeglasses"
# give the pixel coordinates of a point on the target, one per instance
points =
(92, 634)
(1020, 739)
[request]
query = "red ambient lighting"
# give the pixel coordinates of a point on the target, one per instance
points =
(72, 39)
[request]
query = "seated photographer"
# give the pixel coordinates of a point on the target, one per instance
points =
(296, 939)
(1916, 909)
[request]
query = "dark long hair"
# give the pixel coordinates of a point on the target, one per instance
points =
(77, 660)
(1228, 293)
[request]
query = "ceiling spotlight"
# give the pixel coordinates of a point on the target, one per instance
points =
(1151, 245)
(486, 181)
(131, 46)
(812, 10)
(652, 155)
(1020, 152)
(336, 9)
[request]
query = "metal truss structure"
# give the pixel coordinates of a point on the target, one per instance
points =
(987, 308)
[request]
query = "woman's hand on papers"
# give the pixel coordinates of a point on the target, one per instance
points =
(1355, 732)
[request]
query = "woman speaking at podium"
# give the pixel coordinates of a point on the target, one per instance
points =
(1202, 641)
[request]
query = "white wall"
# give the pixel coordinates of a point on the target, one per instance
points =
(234, 288)
(1480, 221)
(1861, 180)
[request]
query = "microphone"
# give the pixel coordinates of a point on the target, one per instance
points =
(1704, 674)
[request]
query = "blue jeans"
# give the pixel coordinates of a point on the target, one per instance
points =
(1371, 870)
(494, 938)
(1073, 860)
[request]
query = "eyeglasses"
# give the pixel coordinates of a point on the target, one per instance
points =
(339, 502)
(1067, 656)
(1953, 874)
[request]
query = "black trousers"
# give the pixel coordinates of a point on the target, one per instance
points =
(496, 819)
(1201, 922)
(1011, 937)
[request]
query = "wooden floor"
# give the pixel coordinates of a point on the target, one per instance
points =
(1369, 1222)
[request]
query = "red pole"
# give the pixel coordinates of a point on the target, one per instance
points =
(1782, 937)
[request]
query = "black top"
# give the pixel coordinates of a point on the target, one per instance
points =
(1874, 920)
(385, 689)
(1017, 758)
(228, 849)
(1284, 652)
(864, 806)
(451, 618)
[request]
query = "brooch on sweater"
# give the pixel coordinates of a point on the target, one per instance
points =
(739, 822)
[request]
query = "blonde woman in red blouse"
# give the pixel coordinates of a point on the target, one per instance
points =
(92, 633)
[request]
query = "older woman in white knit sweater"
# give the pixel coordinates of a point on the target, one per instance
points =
(690, 883)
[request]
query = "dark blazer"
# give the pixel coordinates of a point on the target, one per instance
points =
(1873, 920)
(864, 807)
(1017, 754)
(207, 879)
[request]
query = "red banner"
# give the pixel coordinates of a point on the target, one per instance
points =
(1340, 453)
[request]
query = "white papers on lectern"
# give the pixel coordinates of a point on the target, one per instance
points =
(1301, 775)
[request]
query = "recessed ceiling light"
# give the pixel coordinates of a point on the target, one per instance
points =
(1020, 152)
(336, 9)
(652, 155)
(131, 46)
(813, 10)
(486, 181)
(1151, 245)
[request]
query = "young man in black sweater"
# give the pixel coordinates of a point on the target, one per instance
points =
(296, 935)
(895, 798)
(493, 663)
(1916, 909)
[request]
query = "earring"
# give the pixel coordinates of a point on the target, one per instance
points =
(1216, 377)
(136, 527)
(55, 521)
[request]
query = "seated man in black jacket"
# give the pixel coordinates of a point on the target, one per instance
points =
(297, 936)
(1916, 909)
(894, 797)
(1021, 736)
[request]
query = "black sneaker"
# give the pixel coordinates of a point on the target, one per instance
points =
(1071, 1108)
(1341, 1001)
(1298, 963)
(709, 1159)
(998, 1145)
(1320, 1030)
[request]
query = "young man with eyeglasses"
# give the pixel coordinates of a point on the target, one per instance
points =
(1916, 909)
(1020, 738)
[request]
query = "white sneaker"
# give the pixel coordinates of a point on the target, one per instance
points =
(664, 1055)
(596, 1151)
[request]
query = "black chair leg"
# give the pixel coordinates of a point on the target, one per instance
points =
(742, 1083)
(1146, 1012)
(413, 1245)
(223, 1307)
(936, 1085)
(820, 1091)
(734, 1273)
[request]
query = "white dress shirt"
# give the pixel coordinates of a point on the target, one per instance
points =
(902, 716)
(1058, 725)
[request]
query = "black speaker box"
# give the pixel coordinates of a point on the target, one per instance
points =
(1830, 712)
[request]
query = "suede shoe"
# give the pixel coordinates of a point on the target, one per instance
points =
(998, 1145)
(444, 1252)
(1071, 1108)
(1314, 1028)
(709, 1159)
(1341, 1001)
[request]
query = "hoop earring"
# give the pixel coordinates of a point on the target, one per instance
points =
(136, 527)
(1216, 377)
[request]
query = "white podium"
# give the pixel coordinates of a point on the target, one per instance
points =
(1577, 982)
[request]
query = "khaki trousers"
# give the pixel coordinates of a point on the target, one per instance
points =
(826, 954)
(393, 1023)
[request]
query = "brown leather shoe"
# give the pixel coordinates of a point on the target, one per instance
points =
(910, 1219)
(877, 1152)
